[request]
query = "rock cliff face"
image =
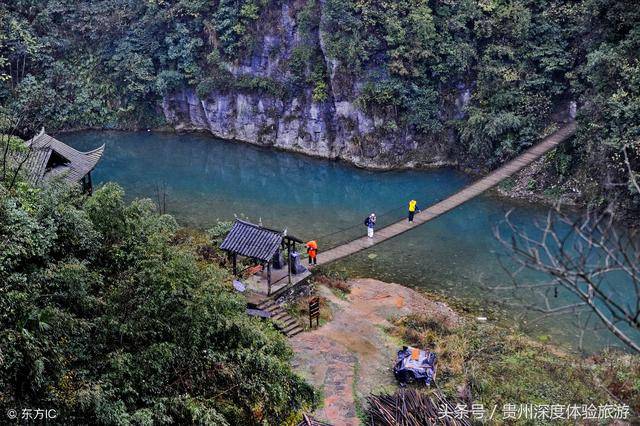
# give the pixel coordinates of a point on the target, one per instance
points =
(335, 128)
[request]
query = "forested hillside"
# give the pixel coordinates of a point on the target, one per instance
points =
(109, 315)
(379, 83)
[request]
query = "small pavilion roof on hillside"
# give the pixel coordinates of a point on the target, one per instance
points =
(259, 243)
(48, 158)
(251, 240)
(255, 241)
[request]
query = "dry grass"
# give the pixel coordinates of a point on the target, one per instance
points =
(496, 365)
(335, 282)
(620, 375)
(300, 311)
(420, 330)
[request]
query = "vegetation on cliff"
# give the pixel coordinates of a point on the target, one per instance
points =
(107, 317)
(108, 63)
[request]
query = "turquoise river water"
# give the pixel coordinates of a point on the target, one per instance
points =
(207, 179)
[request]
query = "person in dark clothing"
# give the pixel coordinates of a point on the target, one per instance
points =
(370, 223)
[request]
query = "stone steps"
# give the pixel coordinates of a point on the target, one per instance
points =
(282, 321)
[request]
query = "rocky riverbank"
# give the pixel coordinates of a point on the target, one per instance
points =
(351, 354)
(251, 105)
(253, 100)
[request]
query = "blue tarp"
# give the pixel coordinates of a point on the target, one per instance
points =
(258, 313)
(239, 286)
(420, 368)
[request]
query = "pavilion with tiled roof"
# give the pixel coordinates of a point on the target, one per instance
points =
(49, 158)
(260, 244)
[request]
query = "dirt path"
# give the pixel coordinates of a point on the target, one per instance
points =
(351, 356)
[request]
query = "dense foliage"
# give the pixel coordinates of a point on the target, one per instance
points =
(107, 319)
(520, 60)
(107, 63)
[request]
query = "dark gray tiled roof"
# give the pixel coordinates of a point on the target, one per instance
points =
(251, 240)
(40, 149)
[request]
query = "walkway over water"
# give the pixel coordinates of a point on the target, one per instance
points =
(471, 191)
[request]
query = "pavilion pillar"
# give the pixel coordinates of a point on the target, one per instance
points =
(235, 267)
(89, 184)
(268, 278)
(289, 260)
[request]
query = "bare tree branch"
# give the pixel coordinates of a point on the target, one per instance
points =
(596, 262)
(632, 174)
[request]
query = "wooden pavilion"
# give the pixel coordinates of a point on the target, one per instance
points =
(49, 158)
(260, 244)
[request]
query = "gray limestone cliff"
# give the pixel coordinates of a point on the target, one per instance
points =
(335, 128)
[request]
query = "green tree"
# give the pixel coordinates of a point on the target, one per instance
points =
(108, 321)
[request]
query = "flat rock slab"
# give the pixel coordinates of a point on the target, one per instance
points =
(352, 356)
(279, 279)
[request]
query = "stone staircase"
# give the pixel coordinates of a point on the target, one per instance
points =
(288, 325)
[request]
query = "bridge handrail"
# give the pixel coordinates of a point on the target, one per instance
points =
(440, 207)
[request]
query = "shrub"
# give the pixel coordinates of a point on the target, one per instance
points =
(109, 321)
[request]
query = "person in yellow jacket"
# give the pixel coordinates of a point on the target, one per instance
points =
(413, 206)
(312, 251)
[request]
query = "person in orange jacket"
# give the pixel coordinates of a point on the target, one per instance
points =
(312, 251)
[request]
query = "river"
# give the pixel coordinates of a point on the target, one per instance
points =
(206, 180)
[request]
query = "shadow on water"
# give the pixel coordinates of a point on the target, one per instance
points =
(209, 180)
